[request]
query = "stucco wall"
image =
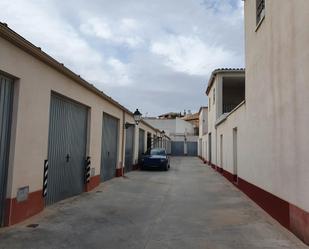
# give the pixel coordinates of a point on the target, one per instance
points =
(273, 141)
(212, 117)
(184, 127)
(29, 142)
(236, 119)
(203, 121)
(167, 125)
(202, 147)
(277, 93)
(203, 130)
(172, 126)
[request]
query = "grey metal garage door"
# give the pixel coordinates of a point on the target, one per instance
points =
(66, 149)
(141, 143)
(192, 148)
(148, 141)
(129, 149)
(109, 147)
(6, 96)
(177, 148)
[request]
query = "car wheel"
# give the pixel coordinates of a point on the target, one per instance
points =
(165, 167)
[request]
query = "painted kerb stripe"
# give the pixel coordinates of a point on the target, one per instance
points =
(45, 178)
(88, 168)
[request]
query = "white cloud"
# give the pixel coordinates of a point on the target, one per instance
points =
(40, 23)
(190, 54)
(123, 32)
(121, 72)
(98, 28)
(129, 24)
(141, 49)
(45, 29)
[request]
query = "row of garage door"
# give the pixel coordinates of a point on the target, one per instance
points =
(181, 148)
(67, 146)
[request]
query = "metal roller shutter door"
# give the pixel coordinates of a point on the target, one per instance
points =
(192, 148)
(66, 149)
(6, 96)
(109, 147)
(141, 143)
(177, 148)
(129, 149)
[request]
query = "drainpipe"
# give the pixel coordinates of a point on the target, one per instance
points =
(122, 143)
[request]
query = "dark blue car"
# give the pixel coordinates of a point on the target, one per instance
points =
(155, 158)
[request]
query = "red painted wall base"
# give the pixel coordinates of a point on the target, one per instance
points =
(94, 182)
(119, 172)
(204, 160)
(291, 217)
(19, 211)
(299, 223)
(228, 176)
(16, 212)
(276, 207)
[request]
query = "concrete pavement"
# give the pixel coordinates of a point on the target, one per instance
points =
(189, 206)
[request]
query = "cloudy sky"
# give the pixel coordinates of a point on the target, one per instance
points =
(155, 55)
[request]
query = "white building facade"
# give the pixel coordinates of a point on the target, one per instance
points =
(203, 131)
(181, 133)
(262, 144)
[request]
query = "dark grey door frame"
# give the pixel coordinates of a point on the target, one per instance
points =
(110, 146)
(209, 148)
(192, 148)
(67, 148)
(6, 106)
(141, 143)
(129, 148)
(178, 148)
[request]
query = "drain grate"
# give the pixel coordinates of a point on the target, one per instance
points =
(33, 225)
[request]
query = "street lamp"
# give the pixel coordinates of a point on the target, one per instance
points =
(137, 116)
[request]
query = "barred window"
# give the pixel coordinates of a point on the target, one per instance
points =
(260, 10)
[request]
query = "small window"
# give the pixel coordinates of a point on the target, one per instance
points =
(260, 11)
(214, 96)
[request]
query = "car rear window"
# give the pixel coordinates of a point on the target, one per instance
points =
(158, 152)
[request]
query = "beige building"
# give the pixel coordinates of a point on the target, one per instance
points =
(262, 144)
(59, 135)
